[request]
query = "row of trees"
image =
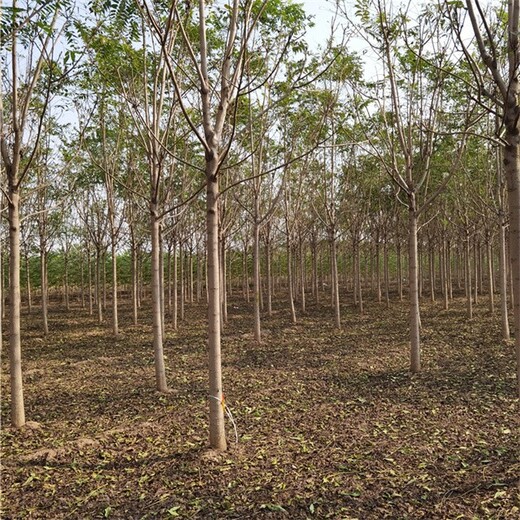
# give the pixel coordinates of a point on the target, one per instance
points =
(115, 122)
(369, 237)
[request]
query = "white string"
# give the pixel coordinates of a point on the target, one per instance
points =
(229, 414)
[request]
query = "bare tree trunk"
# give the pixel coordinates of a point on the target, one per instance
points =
(512, 174)
(449, 274)
(115, 316)
(246, 274)
(431, 263)
(504, 314)
(355, 273)
(15, 347)
(444, 275)
(377, 268)
(457, 267)
(104, 278)
(359, 279)
(302, 274)
(217, 433)
(420, 269)
(182, 291)
(135, 283)
(28, 283)
(476, 270)
(269, 277)
(334, 276)
(89, 277)
(140, 278)
(99, 302)
(82, 281)
(315, 288)
(491, 282)
(191, 279)
(256, 276)
(44, 290)
(175, 288)
(161, 279)
(415, 338)
(160, 370)
(66, 280)
(467, 278)
(399, 270)
(223, 284)
(386, 273)
(169, 278)
(199, 273)
(2, 303)
(290, 281)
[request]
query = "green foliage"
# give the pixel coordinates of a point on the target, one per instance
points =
(28, 21)
(123, 14)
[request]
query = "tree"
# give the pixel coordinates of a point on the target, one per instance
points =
(414, 87)
(503, 68)
(31, 27)
(217, 63)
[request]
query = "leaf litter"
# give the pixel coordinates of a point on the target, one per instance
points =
(330, 423)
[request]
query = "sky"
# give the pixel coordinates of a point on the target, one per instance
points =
(322, 11)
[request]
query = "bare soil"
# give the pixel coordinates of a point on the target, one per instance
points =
(330, 424)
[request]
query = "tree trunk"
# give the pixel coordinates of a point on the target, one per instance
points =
(269, 277)
(161, 279)
(315, 289)
(504, 314)
(2, 303)
(104, 278)
(491, 286)
(476, 258)
(449, 270)
(256, 277)
(302, 274)
(377, 268)
(28, 283)
(415, 339)
(467, 279)
(217, 435)
(66, 281)
(89, 277)
(444, 274)
(15, 346)
(399, 270)
(44, 289)
(199, 274)
(99, 302)
(431, 263)
(290, 281)
(160, 371)
(420, 270)
(169, 278)
(359, 279)
(175, 288)
(223, 283)
(190, 276)
(386, 273)
(115, 317)
(512, 174)
(334, 276)
(246, 274)
(182, 292)
(82, 281)
(135, 283)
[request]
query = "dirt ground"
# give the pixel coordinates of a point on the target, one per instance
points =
(330, 424)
